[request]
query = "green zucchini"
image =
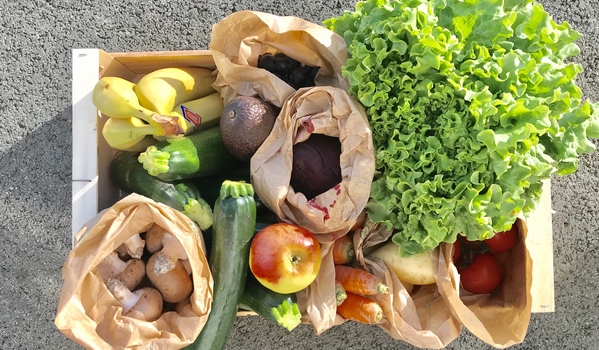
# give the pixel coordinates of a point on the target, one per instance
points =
(200, 154)
(127, 174)
(275, 307)
(232, 233)
(261, 222)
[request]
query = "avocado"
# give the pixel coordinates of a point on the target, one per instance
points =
(246, 121)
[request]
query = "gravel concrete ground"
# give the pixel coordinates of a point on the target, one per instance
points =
(35, 167)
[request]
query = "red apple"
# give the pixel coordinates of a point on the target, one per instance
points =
(285, 257)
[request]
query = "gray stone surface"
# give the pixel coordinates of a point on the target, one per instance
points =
(36, 38)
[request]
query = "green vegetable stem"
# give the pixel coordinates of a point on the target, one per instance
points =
(471, 104)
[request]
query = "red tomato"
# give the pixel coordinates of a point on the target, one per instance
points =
(503, 241)
(482, 276)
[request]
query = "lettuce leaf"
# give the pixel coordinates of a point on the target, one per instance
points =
(472, 104)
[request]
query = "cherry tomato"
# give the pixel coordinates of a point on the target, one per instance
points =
(482, 276)
(503, 241)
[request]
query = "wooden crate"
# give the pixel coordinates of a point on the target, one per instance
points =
(93, 192)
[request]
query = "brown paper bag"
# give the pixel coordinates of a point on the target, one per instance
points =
(89, 314)
(317, 303)
(330, 215)
(239, 39)
(500, 319)
(322, 110)
(422, 318)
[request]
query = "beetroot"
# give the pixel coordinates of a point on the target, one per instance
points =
(316, 166)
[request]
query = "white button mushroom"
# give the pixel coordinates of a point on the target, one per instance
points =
(174, 285)
(135, 246)
(143, 304)
(130, 273)
(122, 252)
(169, 248)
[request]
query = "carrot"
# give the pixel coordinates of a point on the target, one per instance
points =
(340, 294)
(360, 309)
(359, 281)
(343, 250)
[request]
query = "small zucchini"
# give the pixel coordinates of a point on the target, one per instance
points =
(232, 233)
(127, 174)
(179, 158)
(275, 307)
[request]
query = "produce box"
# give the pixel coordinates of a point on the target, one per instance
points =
(92, 190)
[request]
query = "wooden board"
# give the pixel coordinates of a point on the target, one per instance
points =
(92, 191)
(145, 62)
(84, 125)
(540, 246)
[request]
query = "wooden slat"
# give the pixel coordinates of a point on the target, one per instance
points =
(145, 62)
(85, 156)
(540, 245)
(110, 67)
(85, 69)
(243, 313)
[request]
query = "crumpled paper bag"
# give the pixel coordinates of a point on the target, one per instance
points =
(241, 37)
(322, 110)
(422, 318)
(501, 318)
(88, 313)
(317, 302)
(330, 215)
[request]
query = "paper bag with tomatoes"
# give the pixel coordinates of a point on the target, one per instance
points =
(488, 286)
(261, 54)
(414, 313)
(137, 276)
(327, 132)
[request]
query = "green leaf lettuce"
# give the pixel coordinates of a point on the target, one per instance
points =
(471, 105)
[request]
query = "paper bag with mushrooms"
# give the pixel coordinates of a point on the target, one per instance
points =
(270, 56)
(501, 317)
(413, 309)
(315, 170)
(137, 276)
